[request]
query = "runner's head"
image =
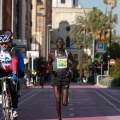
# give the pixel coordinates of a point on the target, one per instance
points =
(4, 42)
(60, 43)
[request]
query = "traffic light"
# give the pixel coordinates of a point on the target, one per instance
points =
(101, 60)
(108, 56)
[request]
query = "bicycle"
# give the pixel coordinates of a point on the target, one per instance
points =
(7, 111)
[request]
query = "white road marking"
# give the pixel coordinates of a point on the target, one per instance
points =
(29, 97)
(71, 109)
(70, 104)
(111, 97)
(71, 114)
(28, 93)
(114, 106)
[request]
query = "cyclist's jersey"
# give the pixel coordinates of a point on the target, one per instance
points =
(8, 60)
(5, 61)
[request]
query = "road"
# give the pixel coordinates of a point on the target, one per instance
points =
(87, 102)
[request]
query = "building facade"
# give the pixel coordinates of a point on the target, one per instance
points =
(66, 13)
(24, 22)
(66, 3)
(41, 17)
(8, 16)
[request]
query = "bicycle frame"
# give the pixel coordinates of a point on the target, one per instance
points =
(6, 99)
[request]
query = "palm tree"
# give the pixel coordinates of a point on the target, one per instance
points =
(112, 18)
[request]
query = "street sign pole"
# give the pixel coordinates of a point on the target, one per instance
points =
(108, 67)
(101, 70)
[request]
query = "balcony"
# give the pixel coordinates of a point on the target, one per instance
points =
(39, 2)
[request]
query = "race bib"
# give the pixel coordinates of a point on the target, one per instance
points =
(61, 63)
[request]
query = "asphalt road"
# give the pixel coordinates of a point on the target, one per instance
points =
(87, 102)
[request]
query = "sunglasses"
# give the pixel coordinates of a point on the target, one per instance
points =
(5, 43)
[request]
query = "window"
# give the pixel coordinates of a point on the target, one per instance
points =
(67, 41)
(40, 2)
(68, 28)
(39, 24)
(40, 12)
(73, 2)
(62, 1)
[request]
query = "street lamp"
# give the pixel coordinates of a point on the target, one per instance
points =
(47, 41)
(50, 30)
(108, 58)
(81, 55)
(101, 62)
(12, 18)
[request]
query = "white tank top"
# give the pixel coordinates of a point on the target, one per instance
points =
(5, 61)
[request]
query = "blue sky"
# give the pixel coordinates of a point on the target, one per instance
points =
(99, 4)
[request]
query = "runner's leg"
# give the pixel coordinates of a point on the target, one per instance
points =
(57, 93)
(64, 97)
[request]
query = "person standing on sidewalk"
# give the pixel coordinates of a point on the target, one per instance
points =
(43, 75)
(28, 77)
(34, 73)
(58, 64)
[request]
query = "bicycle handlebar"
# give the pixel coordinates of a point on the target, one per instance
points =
(6, 77)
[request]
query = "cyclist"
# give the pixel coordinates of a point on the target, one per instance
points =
(8, 66)
(58, 64)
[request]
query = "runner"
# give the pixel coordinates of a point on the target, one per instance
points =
(58, 64)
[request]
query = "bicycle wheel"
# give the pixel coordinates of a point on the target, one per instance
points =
(5, 107)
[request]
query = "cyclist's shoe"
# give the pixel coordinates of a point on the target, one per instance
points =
(15, 114)
(19, 94)
(0, 99)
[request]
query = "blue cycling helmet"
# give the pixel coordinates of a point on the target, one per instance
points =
(4, 38)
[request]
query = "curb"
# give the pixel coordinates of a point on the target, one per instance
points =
(101, 85)
(106, 86)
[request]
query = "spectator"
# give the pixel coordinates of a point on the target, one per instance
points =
(43, 75)
(28, 77)
(38, 77)
(34, 73)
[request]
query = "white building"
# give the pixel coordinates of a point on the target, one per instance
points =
(66, 3)
(64, 13)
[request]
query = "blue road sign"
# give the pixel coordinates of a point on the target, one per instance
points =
(100, 46)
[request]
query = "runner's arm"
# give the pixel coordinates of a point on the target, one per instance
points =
(50, 60)
(74, 63)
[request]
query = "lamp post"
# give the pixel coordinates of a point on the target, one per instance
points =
(49, 45)
(29, 56)
(12, 18)
(108, 57)
(101, 61)
(81, 55)
(47, 41)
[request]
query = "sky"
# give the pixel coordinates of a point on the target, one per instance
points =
(99, 4)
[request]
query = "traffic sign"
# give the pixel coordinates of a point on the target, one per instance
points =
(100, 46)
(112, 62)
(8, 33)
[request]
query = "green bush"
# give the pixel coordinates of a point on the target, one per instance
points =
(110, 82)
(115, 70)
(105, 82)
